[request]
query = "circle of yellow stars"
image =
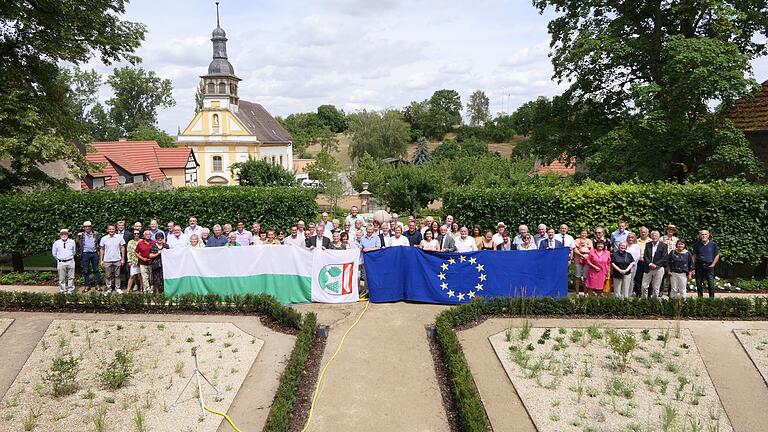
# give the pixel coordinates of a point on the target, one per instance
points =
(481, 278)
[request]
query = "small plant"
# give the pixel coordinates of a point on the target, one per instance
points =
(682, 382)
(139, 420)
(617, 387)
(148, 399)
(591, 391)
(227, 344)
(578, 388)
(622, 346)
(555, 417)
(646, 334)
(99, 419)
(594, 332)
(508, 335)
(210, 340)
(119, 327)
(190, 339)
(668, 417)
(672, 367)
(230, 334)
(118, 371)
(657, 356)
(63, 375)
(576, 335)
(89, 395)
(109, 400)
(179, 368)
(525, 330)
(161, 327)
(29, 421)
(663, 337)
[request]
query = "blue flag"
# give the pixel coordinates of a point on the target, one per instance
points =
(408, 273)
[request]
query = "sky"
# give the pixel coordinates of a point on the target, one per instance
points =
(294, 55)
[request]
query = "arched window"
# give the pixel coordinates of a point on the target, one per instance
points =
(217, 164)
(222, 88)
(233, 88)
(211, 88)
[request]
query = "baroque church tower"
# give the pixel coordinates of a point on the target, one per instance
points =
(228, 129)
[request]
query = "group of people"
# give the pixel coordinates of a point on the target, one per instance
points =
(627, 263)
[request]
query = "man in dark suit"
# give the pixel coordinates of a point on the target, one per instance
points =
(655, 259)
(447, 243)
(318, 239)
(550, 242)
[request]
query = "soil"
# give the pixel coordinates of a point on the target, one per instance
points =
(303, 401)
(443, 382)
(755, 343)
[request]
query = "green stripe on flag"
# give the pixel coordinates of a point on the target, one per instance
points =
(285, 288)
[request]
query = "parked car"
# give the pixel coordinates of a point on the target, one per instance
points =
(309, 183)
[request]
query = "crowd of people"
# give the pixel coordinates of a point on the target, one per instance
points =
(625, 263)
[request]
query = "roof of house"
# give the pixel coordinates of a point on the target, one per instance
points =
(136, 157)
(750, 113)
(260, 123)
(556, 167)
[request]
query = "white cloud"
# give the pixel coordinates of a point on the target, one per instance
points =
(361, 7)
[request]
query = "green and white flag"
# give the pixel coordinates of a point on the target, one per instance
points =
(289, 273)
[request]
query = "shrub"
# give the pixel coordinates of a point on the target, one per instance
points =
(622, 346)
(727, 209)
(34, 219)
(118, 371)
(62, 375)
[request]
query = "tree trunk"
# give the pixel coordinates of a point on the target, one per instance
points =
(18, 261)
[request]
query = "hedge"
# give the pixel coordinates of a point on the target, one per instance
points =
(282, 405)
(31, 221)
(472, 416)
(735, 213)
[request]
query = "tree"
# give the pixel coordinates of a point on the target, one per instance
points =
(644, 76)
(379, 134)
(304, 128)
(328, 140)
(408, 188)
(452, 149)
(478, 108)
(522, 119)
(40, 115)
(136, 96)
(199, 95)
(443, 113)
(421, 156)
(416, 114)
(326, 169)
(255, 172)
(151, 133)
(332, 118)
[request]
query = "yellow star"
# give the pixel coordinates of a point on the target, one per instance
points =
(471, 294)
(444, 266)
(473, 260)
(479, 287)
(450, 293)
(482, 276)
(461, 296)
(441, 276)
(452, 261)
(480, 267)
(444, 285)
(462, 258)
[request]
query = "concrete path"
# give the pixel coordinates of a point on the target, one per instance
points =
(383, 379)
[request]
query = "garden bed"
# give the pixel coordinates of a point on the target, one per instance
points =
(755, 343)
(593, 379)
(72, 380)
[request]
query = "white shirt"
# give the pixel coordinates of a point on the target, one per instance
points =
(177, 242)
(467, 244)
(296, 241)
(654, 246)
(531, 246)
(566, 240)
(111, 246)
(63, 251)
(634, 250)
(497, 239)
(188, 231)
(394, 241)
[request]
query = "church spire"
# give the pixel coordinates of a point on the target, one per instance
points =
(217, 15)
(220, 65)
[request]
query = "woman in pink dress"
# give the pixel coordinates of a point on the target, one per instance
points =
(599, 263)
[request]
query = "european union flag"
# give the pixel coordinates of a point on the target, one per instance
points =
(408, 273)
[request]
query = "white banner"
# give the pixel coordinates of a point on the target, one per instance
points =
(335, 276)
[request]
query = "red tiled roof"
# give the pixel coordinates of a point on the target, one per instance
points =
(136, 157)
(750, 113)
(557, 167)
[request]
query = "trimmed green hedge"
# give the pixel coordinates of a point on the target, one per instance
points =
(734, 213)
(285, 396)
(31, 221)
(471, 412)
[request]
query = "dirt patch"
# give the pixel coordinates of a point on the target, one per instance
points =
(303, 401)
(570, 379)
(755, 343)
(443, 382)
(161, 362)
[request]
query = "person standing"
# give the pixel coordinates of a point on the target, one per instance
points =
(680, 270)
(88, 243)
(620, 235)
(501, 229)
(232, 240)
(320, 240)
(522, 230)
(550, 242)
(294, 239)
(155, 254)
(565, 238)
(353, 216)
(526, 245)
(599, 262)
(143, 249)
(706, 254)
(336, 243)
(205, 236)
(63, 250)
(655, 258)
(621, 271)
(581, 252)
(465, 243)
(634, 250)
(169, 229)
(541, 234)
(177, 239)
(226, 229)
(486, 242)
(447, 242)
(133, 262)
(244, 237)
(112, 257)
(153, 228)
(640, 267)
(429, 243)
(670, 239)
(195, 242)
(413, 234)
(398, 239)
(271, 238)
(193, 228)
(218, 239)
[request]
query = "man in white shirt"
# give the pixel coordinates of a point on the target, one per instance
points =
(565, 238)
(330, 228)
(498, 238)
(112, 257)
(244, 237)
(465, 243)
(398, 239)
(193, 228)
(295, 239)
(300, 226)
(177, 239)
(323, 221)
(427, 224)
(63, 250)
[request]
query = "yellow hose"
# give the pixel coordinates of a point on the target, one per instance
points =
(325, 368)
(226, 417)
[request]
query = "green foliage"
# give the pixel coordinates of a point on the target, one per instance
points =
(379, 134)
(34, 219)
(726, 209)
(451, 149)
(285, 396)
(137, 94)
(62, 375)
(332, 118)
(119, 370)
(478, 108)
(409, 188)
(199, 96)
(421, 155)
(151, 133)
(260, 173)
(444, 112)
(326, 169)
(622, 346)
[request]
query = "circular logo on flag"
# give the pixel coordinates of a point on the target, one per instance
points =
(460, 289)
(336, 279)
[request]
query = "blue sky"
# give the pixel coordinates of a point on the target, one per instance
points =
(294, 55)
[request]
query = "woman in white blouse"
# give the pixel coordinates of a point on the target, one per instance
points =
(633, 249)
(527, 244)
(429, 243)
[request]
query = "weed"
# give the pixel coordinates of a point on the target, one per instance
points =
(63, 342)
(227, 344)
(668, 417)
(530, 347)
(228, 387)
(507, 335)
(646, 334)
(109, 400)
(8, 417)
(663, 337)
(190, 339)
(555, 403)
(139, 420)
(210, 340)
(657, 356)
(578, 388)
(234, 350)
(29, 421)
(554, 417)
(622, 346)
(148, 399)
(684, 346)
(682, 382)
(591, 391)
(14, 401)
(594, 332)
(643, 361)
(89, 395)
(179, 368)
(119, 327)
(618, 387)
(230, 334)
(672, 367)
(99, 419)
(576, 335)
(525, 330)
(161, 327)
(118, 371)
(63, 375)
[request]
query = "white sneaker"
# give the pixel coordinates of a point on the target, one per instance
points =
(119, 291)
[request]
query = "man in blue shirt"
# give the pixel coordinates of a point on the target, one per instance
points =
(620, 235)
(706, 254)
(218, 239)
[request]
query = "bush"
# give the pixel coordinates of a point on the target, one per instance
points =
(118, 371)
(63, 375)
(257, 172)
(35, 219)
(728, 210)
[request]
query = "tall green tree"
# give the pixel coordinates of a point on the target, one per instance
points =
(408, 188)
(478, 108)
(326, 169)
(40, 113)
(137, 94)
(199, 95)
(644, 76)
(443, 112)
(332, 118)
(304, 128)
(421, 156)
(416, 114)
(378, 134)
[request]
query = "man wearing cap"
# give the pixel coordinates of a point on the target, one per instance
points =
(63, 250)
(112, 257)
(497, 238)
(88, 245)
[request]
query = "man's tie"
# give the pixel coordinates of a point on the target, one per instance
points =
(563, 236)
